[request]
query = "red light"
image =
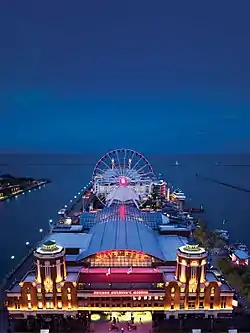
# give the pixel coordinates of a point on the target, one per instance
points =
(123, 181)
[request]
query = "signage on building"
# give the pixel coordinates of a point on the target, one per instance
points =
(121, 292)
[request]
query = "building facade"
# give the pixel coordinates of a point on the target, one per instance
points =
(120, 266)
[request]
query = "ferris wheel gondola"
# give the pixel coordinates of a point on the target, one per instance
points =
(122, 167)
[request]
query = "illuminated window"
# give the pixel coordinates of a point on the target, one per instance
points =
(39, 290)
(69, 305)
(59, 305)
(69, 297)
(49, 305)
(29, 297)
(68, 290)
(59, 290)
(212, 291)
(202, 290)
(182, 289)
(120, 258)
(40, 305)
(192, 288)
(172, 290)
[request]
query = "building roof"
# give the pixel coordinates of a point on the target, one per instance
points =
(123, 212)
(123, 235)
(240, 254)
(170, 244)
(70, 240)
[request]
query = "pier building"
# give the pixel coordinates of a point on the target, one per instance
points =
(119, 260)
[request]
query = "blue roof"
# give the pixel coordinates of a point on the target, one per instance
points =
(242, 255)
(123, 235)
(121, 212)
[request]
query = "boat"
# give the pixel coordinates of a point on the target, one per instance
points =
(224, 234)
(62, 211)
(241, 246)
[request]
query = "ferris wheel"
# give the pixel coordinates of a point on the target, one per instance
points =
(122, 167)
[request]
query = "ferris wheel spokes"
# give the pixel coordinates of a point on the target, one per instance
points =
(118, 164)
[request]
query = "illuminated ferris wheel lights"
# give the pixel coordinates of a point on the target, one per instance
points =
(122, 167)
(123, 181)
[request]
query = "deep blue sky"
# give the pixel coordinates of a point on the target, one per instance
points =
(158, 76)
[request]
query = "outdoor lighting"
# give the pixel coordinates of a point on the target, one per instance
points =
(65, 206)
(123, 181)
(95, 317)
(12, 257)
(27, 243)
(75, 197)
(40, 230)
(50, 221)
(70, 200)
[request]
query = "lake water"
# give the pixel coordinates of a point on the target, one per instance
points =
(22, 218)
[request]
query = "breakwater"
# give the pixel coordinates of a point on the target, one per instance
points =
(212, 180)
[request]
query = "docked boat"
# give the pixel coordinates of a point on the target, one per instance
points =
(241, 246)
(224, 234)
(62, 211)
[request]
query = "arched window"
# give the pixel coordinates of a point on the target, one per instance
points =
(212, 290)
(172, 290)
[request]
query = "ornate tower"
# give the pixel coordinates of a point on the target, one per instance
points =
(191, 263)
(191, 269)
(50, 269)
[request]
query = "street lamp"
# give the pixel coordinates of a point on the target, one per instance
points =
(12, 257)
(50, 221)
(27, 243)
(75, 196)
(65, 206)
(41, 230)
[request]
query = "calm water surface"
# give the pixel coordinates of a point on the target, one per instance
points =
(22, 218)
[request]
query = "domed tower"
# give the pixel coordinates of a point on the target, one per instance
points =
(50, 265)
(191, 265)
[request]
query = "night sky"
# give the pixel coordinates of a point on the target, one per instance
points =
(157, 76)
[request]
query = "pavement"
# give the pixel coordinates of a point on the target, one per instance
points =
(103, 325)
